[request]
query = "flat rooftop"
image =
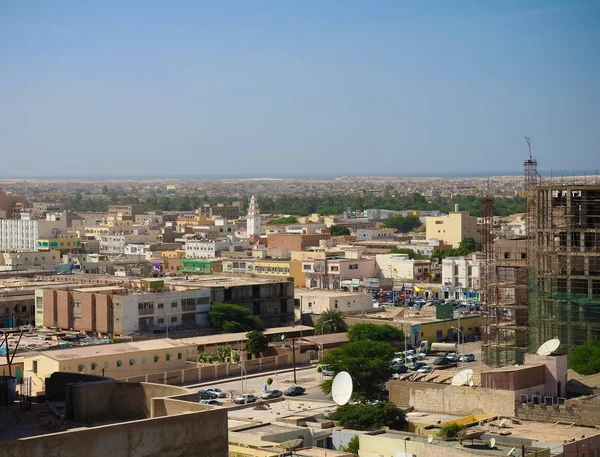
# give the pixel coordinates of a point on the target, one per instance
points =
(222, 338)
(280, 409)
(114, 348)
(326, 293)
(221, 281)
(547, 432)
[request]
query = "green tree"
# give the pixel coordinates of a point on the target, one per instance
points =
(256, 342)
(370, 417)
(585, 359)
(223, 352)
(450, 430)
(353, 445)
(331, 321)
(339, 230)
(374, 332)
(368, 363)
(230, 318)
(283, 220)
(466, 247)
(412, 255)
(403, 224)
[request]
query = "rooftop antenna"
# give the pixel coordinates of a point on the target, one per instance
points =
(529, 146)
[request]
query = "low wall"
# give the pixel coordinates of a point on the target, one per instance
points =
(206, 372)
(55, 385)
(449, 399)
(169, 406)
(580, 411)
(184, 435)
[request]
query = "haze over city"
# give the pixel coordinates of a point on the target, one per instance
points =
(297, 89)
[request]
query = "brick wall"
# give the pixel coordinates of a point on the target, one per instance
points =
(452, 399)
(583, 411)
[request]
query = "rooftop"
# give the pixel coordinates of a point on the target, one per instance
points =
(325, 293)
(222, 338)
(221, 281)
(111, 349)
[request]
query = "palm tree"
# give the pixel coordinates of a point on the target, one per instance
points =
(331, 321)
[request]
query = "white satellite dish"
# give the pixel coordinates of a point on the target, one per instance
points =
(548, 347)
(492, 443)
(430, 439)
(462, 378)
(511, 451)
(341, 389)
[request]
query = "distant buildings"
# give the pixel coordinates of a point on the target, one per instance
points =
(451, 229)
(11, 206)
(461, 276)
(23, 233)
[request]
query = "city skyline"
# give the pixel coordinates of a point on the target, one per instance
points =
(281, 90)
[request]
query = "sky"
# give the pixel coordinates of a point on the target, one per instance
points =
(297, 88)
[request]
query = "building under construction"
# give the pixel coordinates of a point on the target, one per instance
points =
(546, 285)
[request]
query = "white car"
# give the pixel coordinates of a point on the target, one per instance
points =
(245, 398)
(425, 369)
(218, 392)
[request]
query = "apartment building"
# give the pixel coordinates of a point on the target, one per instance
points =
(115, 244)
(197, 249)
(126, 210)
(19, 259)
(60, 241)
(23, 233)
(11, 205)
(38, 209)
(451, 229)
(232, 211)
(399, 267)
(295, 241)
(319, 301)
(461, 276)
(333, 272)
(118, 360)
(116, 310)
(375, 234)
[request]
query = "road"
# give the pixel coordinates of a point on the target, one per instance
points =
(308, 378)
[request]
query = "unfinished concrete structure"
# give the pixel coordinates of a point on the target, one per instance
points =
(564, 256)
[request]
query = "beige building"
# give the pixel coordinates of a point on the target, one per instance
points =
(117, 360)
(319, 301)
(12, 260)
(452, 228)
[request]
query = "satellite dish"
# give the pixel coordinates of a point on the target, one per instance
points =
(430, 439)
(470, 383)
(292, 445)
(548, 347)
(462, 378)
(341, 389)
(511, 451)
(492, 443)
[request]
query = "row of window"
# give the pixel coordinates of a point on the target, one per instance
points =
(272, 270)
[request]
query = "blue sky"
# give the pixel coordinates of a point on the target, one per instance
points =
(272, 88)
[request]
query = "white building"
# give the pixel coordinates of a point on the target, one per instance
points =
(115, 244)
(461, 276)
(253, 221)
(23, 233)
(400, 268)
(319, 301)
(199, 249)
(164, 309)
(375, 234)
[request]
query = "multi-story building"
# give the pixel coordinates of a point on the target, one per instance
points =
(197, 249)
(335, 273)
(375, 234)
(451, 229)
(461, 276)
(126, 210)
(319, 301)
(115, 244)
(65, 241)
(11, 205)
(295, 241)
(23, 233)
(20, 259)
(38, 209)
(232, 211)
(400, 268)
(281, 269)
(116, 310)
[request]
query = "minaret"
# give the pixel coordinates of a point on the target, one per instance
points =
(253, 221)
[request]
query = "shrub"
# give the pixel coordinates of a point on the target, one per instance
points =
(450, 430)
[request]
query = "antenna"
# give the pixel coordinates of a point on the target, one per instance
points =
(430, 439)
(529, 146)
(548, 347)
(492, 443)
(462, 378)
(341, 388)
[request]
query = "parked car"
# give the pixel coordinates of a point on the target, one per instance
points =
(441, 361)
(218, 392)
(467, 358)
(245, 398)
(207, 395)
(271, 394)
(294, 390)
(399, 368)
(327, 371)
(415, 366)
(425, 369)
(453, 357)
(211, 402)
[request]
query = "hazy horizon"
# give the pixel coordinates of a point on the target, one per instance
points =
(282, 89)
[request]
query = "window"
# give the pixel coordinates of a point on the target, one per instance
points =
(507, 255)
(156, 359)
(439, 222)
(161, 320)
(119, 363)
(335, 304)
(335, 268)
(174, 319)
(174, 304)
(145, 305)
(35, 366)
(94, 365)
(523, 255)
(80, 367)
(131, 361)
(353, 266)
(143, 360)
(168, 358)
(161, 305)
(179, 355)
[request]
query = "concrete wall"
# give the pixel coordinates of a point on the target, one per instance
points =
(448, 399)
(583, 411)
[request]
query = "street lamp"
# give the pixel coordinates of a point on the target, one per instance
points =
(293, 355)
(322, 326)
(242, 374)
(463, 339)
